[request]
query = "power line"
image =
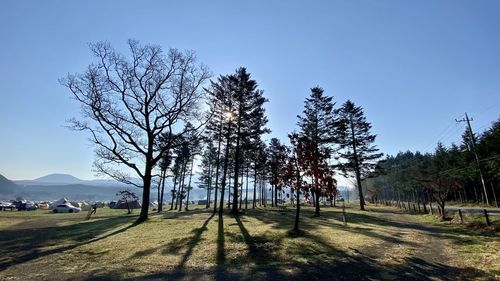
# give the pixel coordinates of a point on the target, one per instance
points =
(439, 136)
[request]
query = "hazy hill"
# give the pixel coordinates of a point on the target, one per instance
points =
(72, 191)
(64, 179)
(7, 187)
(55, 186)
(58, 179)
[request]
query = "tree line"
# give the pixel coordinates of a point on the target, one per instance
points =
(467, 172)
(155, 112)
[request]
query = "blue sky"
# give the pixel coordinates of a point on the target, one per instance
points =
(413, 65)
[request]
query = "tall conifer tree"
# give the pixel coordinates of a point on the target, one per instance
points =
(356, 142)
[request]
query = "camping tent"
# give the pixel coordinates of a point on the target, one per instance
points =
(153, 205)
(122, 204)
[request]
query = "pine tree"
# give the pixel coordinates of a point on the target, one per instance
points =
(250, 121)
(356, 142)
(276, 154)
(294, 172)
(219, 128)
(208, 163)
(317, 125)
(259, 159)
(164, 164)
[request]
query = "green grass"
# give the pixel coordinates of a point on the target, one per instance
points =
(382, 243)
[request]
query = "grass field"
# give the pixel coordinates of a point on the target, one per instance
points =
(380, 244)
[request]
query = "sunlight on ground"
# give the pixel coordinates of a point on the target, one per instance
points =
(382, 243)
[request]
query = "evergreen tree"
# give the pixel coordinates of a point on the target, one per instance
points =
(356, 144)
(164, 164)
(317, 125)
(295, 169)
(489, 152)
(276, 154)
(208, 163)
(220, 129)
(259, 159)
(250, 120)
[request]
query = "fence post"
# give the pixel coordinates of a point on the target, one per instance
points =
(487, 218)
(460, 214)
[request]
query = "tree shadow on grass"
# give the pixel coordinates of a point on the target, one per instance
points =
(23, 245)
(285, 219)
(194, 241)
(221, 252)
(175, 214)
(374, 217)
(260, 249)
(323, 258)
(177, 244)
(318, 260)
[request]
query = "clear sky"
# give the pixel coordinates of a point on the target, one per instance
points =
(413, 65)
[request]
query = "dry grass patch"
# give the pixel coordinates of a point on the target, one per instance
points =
(381, 244)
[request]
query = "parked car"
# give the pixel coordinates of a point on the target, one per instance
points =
(6, 205)
(66, 208)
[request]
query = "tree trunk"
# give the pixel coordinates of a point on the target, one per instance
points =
(264, 190)
(443, 213)
(254, 189)
(128, 207)
(317, 209)
(241, 190)
(145, 194)
(276, 195)
(465, 194)
(229, 194)
(475, 191)
(174, 196)
(272, 195)
(357, 169)
(297, 210)
(160, 204)
(313, 195)
(217, 168)
(494, 193)
(234, 210)
(224, 173)
(159, 188)
(209, 184)
(424, 203)
(317, 191)
(181, 193)
(246, 195)
(189, 185)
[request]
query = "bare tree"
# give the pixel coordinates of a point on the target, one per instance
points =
(129, 103)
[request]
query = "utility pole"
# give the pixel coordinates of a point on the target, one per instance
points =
(475, 154)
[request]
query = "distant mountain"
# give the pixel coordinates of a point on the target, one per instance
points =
(73, 192)
(55, 186)
(65, 179)
(58, 179)
(7, 187)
